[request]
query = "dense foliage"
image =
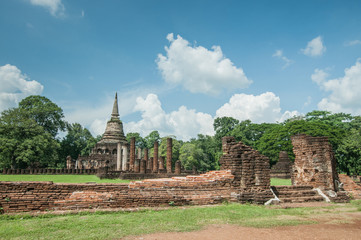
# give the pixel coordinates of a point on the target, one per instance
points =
(29, 138)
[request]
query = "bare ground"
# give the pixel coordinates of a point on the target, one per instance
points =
(333, 224)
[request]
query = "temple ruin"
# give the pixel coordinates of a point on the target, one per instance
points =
(282, 169)
(115, 158)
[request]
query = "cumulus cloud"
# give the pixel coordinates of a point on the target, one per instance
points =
(279, 54)
(55, 7)
(198, 69)
(184, 123)
(261, 108)
(345, 91)
(314, 47)
(14, 86)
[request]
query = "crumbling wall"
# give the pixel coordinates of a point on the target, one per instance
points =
(250, 169)
(210, 188)
(283, 168)
(315, 163)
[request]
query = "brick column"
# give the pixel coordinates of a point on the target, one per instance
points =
(161, 164)
(169, 155)
(151, 164)
(132, 154)
(155, 157)
(143, 164)
(146, 159)
(177, 167)
(136, 165)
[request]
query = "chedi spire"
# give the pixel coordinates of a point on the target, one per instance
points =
(115, 112)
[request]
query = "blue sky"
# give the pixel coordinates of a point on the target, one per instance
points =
(177, 65)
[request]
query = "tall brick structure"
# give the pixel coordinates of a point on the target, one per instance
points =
(251, 171)
(315, 163)
(155, 157)
(169, 155)
(283, 168)
(132, 154)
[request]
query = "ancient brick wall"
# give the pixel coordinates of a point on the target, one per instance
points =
(283, 168)
(250, 169)
(48, 171)
(211, 188)
(315, 163)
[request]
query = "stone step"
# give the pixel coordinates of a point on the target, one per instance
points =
(302, 199)
(303, 193)
(291, 188)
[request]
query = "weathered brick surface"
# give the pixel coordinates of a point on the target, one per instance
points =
(283, 168)
(250, 169)
(315, 163)
(213, 187)
(169, 155)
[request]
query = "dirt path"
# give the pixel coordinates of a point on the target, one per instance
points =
(338, 226)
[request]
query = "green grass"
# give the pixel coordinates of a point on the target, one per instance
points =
(92, 178)
(61, 178)
(280, 182)
(115, 225)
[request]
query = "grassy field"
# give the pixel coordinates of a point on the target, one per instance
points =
(60, 178)
(92, 178)
(115, 225)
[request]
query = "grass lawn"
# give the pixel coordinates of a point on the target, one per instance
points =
(60, 178)
(115, 225)
(92, 178)
(280, 182)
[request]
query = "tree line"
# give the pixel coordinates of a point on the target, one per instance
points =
(29, 138)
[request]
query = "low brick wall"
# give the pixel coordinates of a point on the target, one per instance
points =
(38, 171)
(210, 188)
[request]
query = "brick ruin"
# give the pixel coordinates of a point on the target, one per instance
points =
(282, 169)
(251, 170)
(315, 163)
(115, 158)
(244, 177)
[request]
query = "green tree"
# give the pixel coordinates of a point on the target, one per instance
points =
(188, 155)
(278, 138)
(139, 141)
(76, 142)
(44, 112)
(210, 159)
(176, 145)
(24, 143)
(348, 153)
(151, 139)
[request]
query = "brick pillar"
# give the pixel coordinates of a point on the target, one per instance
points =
(132, 154)
(136, 165)
(119, 157)
(161, 164)
(177, 167)
(151, 164)
(169, 154)
(143, 164)
(146, 159)
(155, 157)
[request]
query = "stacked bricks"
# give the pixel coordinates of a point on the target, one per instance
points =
(315, 163)
(178, 166)
(38, 171)
(147, 160)
(155, 157)
(169, 155)
(161, 164)
(132, 154)
(249, 167)
(143, 164)
(210, 188)
(282, 169)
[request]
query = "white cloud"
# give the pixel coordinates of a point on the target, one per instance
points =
(279, 54)
(319, 76)
(261, 108)
(184, 123)
(345, 91)
(198, 69)
(314, 47)
(352, 43)
(14, 86)
(55, 7)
